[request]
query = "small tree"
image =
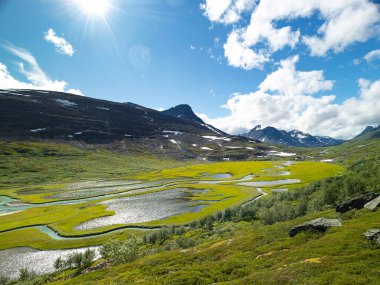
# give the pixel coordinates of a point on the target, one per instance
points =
(88, 257)
(3, 280)
(25, 274)
(120, 251)
(59, 263)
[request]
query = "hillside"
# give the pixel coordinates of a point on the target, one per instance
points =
(123, 127)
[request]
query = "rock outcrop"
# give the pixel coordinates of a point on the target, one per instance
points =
(320, 224)
(373, 235)
(357, 203)
(372, 205)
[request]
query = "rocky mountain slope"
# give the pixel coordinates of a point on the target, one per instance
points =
(184, 112)
(46, 115)
(369, 133)
(292, 138)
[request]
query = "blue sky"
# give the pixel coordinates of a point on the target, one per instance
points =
(160, 53)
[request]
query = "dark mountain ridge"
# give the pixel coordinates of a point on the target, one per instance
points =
(184, 112)
(56, 115)
(123, 127)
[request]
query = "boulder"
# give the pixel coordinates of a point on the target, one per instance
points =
(320, 224)
(373, 235)
(372, 205)
(357, 203)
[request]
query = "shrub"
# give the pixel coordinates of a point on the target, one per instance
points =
(3, 280)
(59, 263)
(185, 242)
(120, 251)
(25, 274)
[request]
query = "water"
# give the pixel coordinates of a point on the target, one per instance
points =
(270, 183)
(40, 262)
(280, 190)
(145, 208)
(6, 206)
(245, 178)
(9, 205)
(220, 176)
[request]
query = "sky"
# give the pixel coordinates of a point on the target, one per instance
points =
(309, 65)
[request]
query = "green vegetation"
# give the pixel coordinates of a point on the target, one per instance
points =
(77, 260)
(64, 218)
(27, 167)
(241, 249)
(120, 251)
(233, 240)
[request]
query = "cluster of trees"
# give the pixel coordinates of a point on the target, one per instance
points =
(77, 260)
(120, 251)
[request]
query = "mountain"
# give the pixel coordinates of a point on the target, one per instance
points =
(57, 116)
(370, 132)
(292, 138)
(184, 112)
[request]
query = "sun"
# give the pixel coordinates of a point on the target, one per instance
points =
(94, 8)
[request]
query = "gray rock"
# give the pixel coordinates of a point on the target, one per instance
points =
(357, 203)
(373, 235)
(320, 224)
(372, 205)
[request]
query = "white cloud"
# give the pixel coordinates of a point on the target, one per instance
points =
(372, 55)
(240, 55)
(61, 45)
(289, 99)
(36, 77)
(226, 11)
(345, 22)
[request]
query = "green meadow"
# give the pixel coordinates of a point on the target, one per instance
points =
(55, 161)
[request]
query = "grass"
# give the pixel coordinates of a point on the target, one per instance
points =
(64, 218)
(30, 166)
(264, 255)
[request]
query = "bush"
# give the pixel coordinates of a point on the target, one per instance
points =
(76, 260)
(161, 236)
(25, 274)
(120, 251)
(3, 280)
(185, 242)
(59, 264)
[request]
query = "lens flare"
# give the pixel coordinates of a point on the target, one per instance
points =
(94, 8)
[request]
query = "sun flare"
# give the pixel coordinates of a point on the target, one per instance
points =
(97, 8)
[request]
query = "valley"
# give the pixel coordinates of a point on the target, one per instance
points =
(179, 193)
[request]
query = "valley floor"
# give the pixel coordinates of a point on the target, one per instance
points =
(216, 223)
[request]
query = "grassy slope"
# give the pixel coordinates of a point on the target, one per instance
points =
(261, 256)
(25, 164)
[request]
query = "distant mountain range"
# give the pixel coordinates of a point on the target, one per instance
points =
(292, 138)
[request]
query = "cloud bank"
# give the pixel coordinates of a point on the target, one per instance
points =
(344, 22)
(291, 99)
(30, 69)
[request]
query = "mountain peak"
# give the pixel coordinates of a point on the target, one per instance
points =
(184, 112)
(367, 130)
(292, 138)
